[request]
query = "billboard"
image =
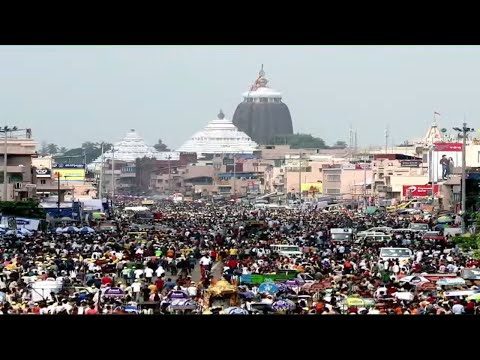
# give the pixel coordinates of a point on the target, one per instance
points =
(70, 172)
(43, 166)
(312, 187)
(419, 190)
(452, 152)
(410, 163)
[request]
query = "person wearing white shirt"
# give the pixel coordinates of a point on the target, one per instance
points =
(136, 288)
(192, 290)
(138, 273)
(160, 271)
(148, 273)
(458, 309)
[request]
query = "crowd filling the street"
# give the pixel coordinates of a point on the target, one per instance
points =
(230, 258)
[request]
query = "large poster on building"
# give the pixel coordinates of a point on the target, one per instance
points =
(419, 190)
(445, 157)
(313, 187)
(43, 167)
(69, 172)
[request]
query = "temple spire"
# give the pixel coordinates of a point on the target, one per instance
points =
(221, 115)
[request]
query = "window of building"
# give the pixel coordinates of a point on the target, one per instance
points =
(43, 182)
(333, 191)
(333, 178)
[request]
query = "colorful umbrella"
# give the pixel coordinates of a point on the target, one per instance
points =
(294, 282)
(235, 311)
(178, 294)
(283, 305)
(114, 293)
(268, 288)
(86, 230)
(444, 219)
(475, 297)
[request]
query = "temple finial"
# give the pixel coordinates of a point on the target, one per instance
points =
(221, 115)
(261, 73)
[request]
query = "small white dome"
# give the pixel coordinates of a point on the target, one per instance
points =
(219, 136)
(129, 149)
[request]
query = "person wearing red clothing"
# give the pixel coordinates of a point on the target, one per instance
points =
(107, 280)
(160, 283)
(92, 310)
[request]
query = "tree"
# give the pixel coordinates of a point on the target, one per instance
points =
(160, 146)
(300, 141)
(340, 145)
(52, 149)
(63, 150)
(28, 209)
(44, 148)
(91, 151)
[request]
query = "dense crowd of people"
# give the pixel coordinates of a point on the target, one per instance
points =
(147, 266)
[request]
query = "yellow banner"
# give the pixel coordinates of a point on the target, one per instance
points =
(70, 174)
(313, 187)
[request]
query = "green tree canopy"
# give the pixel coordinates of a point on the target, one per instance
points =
(300, 141)
(28, 209)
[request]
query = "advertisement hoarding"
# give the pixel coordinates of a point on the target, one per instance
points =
(69, 172)
(43, 167)
(313, 187)
(452, 151)
(419, 190)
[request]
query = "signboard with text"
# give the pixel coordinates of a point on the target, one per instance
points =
(410, 163)
(69, 172)
(419, 190)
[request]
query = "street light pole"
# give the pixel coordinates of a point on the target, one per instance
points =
(100, 188)
(234, 177)
(113, 175)
(57, 174)
(5, 131)
(169, 175)
(5, 175)
(464, 132)
(365, 183)
(300, 176)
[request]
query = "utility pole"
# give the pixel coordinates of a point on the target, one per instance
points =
(169, 174)
(434, 178)
(113, 174)
(365, 183)
(300, 176)
(234, 178)
(100, 187)
(285, 184)
(464, 133)
(58, 175)
(5, 131)
(386, 140)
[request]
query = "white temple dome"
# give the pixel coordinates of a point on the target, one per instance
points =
(433, 134)
(129, 149)
(219, 136)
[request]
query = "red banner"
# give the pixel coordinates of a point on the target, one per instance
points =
(448, 147)
(418, 190)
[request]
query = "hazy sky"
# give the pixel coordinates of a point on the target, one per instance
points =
(71, 94)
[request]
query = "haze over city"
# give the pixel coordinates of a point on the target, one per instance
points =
(72, 94)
